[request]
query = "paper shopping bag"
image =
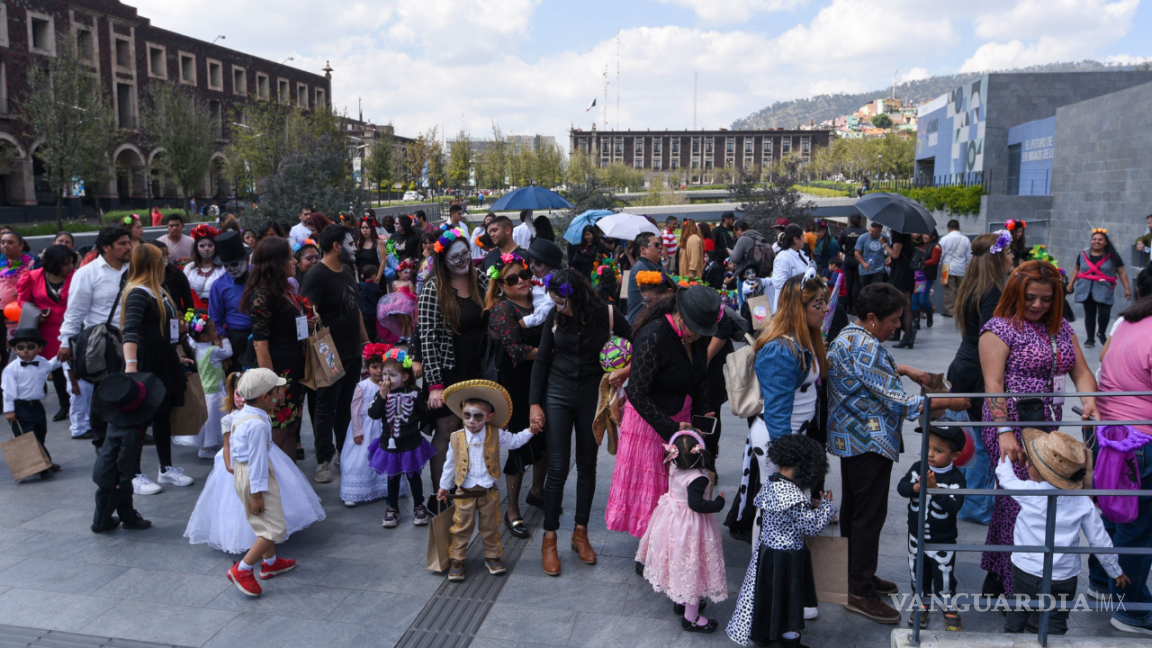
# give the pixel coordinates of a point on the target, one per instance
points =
(761, 310)
(322, 361)
(25, 456)
(189, 418)
(830, 568)
(440, 539)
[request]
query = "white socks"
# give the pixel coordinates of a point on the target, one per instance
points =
(791, 635)
(244, 566)
(268, 562)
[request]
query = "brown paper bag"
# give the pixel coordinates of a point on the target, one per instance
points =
(937, 384)
(830, 568)
(322, 361)
(440, 539)
(189, 418)
(25, 456)
(760, 308)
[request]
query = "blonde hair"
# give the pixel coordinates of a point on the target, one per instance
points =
(791, 322)
(229, 404)
(146, 271)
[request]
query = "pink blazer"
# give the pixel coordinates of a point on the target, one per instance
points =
(30, 288)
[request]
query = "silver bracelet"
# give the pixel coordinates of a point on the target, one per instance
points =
(130, 362)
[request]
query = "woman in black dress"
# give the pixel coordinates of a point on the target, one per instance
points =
(903, 279)
(152, 329)
(370, 250)
(452, 328)
(278, 339)
(509, 301)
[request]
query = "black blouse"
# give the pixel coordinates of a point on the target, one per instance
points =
(143, 322)
(573, 355)
(407, 433)
(662, 375)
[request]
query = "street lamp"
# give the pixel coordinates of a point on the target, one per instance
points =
(878, 156)
(290, 58)
(218, 38)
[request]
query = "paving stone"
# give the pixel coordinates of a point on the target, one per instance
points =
(156, 622)
(57, 576)
(284, 597)
(514, 622)
(171, 588)
(51, 610)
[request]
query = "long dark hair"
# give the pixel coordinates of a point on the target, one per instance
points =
(544, 228)
(449, 309)
(1108, 249)
(373, 236)
(584, 301)
(657, 309)
(267, 273)
(1142, 308)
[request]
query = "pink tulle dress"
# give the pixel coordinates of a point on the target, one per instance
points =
(640, 476)
(388, 311)
(681, 550)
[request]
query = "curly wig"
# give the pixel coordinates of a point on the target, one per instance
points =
(804, 455)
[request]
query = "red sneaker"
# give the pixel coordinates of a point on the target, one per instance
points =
(244, 580)
(275, 569)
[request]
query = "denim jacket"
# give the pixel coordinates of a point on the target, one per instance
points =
(780, 373)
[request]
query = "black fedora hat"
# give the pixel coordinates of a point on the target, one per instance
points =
(125, 400)
(26, 335)
(546, 252)
(230, 248)
(700, 308)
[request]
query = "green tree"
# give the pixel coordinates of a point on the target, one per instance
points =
(619, 176)
(581, 169)
(493, 172)
(263, 136)
(550, 166)
(427, 151)
(379, 168)
(176, 120)
(521, 165)
(882, 121)
(460, 161)
(72, 118)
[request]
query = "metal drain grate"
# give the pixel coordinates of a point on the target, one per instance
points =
(456, 611)
(16, 637)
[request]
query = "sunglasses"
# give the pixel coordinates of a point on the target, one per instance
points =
(473, 416)
(513, 279)
(27, 346)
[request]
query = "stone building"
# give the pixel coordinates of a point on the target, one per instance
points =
(129, 54)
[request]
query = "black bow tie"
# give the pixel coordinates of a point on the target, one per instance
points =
(34, 363)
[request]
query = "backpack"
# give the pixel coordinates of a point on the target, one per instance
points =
(744, 398)
(917, 262)
(1116, 469)
(765, 256)
(98, 351)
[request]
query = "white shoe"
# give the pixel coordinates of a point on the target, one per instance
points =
(174, 476)
(1124, 627)
(141, 485)
(349, 503)
(811, 613)
(323, 473)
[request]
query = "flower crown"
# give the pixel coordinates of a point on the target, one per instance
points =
(130, 220)
(369, 220)
(564, 289)
(197, 322)
(296, 247)
(1100, 230)
(1013, 224)
(503, 261)
(406, 264)
(649, 277)
(381, 352)
(1002, 242)
(447, 238)
(204, 231)
(1040, 253)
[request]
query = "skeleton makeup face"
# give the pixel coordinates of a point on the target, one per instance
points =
(394, 377)
(236, 269)
(457, 259)
(475, 417)
(348, 251)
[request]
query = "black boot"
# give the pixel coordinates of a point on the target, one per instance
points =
(930, 319)
(909, 339)
(792, 643)
(916, 320)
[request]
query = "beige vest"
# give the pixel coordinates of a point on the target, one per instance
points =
(459, 441)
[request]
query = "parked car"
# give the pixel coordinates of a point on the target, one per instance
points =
(411, 195)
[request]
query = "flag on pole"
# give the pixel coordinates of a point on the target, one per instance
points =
(590, 106)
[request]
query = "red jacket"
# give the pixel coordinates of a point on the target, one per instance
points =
(31, 288)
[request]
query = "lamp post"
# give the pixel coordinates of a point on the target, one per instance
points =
(878, 156)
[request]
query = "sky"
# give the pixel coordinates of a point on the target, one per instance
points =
(534, 66)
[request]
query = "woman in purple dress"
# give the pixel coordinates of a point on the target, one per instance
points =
(1026, 348)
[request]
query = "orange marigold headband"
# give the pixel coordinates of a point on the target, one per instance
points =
(649, 278)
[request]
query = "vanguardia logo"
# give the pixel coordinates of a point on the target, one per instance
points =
(1041, 603)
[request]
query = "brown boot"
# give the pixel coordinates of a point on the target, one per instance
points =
(550, 558)
(581, 546)
(872, 608)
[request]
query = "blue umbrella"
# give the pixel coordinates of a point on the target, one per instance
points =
(531, 198)
(576, 229)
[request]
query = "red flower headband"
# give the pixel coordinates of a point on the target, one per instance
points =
(1013, 224)
(204, 231)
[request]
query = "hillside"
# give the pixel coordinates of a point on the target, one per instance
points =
(797, 112)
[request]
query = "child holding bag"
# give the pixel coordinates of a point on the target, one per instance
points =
(211, 350)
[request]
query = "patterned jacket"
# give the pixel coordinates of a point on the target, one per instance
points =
(868, 401)
(436, 351)
(788, 517)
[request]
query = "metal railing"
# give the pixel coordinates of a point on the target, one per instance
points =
(1048, 548)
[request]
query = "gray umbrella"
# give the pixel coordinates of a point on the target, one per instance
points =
(902, 214)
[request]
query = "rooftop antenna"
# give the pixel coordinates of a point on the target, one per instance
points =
(617, 80)
(695, 77)
(894, 74)
(605, 95)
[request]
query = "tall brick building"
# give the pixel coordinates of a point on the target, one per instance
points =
(129, 54)
(696, 153)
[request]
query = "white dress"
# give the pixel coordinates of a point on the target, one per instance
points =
(210, 435)
(359, 482)
(200, 283)
(219, 519)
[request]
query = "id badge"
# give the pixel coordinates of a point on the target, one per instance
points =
(173, 331)
(1058, 387)
(301, 328)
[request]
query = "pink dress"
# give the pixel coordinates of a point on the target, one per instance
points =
(681, 550)
(640, 476)
(388, 310)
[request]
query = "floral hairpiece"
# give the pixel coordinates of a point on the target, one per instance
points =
(649, 277)
(296, 247)
(1013, 224)
(375, 351)
(197, 322)
(503, 261)
(1002, 242)
(564, 289)
(406, 264)
(1040, 253)
(130, 220)
(369, 220)
(1099, 230)
(447, 238)
(204, 231)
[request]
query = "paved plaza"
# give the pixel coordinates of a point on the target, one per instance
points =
(360, 585)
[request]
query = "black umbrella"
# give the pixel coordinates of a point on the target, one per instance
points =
(902, 214)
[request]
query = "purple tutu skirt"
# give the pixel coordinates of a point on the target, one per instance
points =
(400, 463)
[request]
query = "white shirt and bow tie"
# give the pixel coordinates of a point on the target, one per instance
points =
(478, 476)
(23, 380)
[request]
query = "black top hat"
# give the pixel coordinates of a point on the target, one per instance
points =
(126, 400)
(546, 252)
(26, 335)
(230, 247)
(700, 308)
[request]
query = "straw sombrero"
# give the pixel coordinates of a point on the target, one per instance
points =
(1059, 458)
(485, 390)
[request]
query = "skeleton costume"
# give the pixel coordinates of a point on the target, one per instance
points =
(939, 527)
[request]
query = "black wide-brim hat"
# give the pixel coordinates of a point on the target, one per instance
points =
(229, 248)
(26, 335)
(119, 400)
(700, 309)
(546, 252)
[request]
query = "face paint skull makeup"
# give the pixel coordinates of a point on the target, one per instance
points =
(458, 259)
(474, 418)
(236, 269)
(348, 251)
(394, 378)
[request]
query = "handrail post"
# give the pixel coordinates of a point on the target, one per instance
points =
(1046, 581)
(918, 580)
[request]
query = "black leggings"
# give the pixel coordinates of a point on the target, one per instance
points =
(414, 483)
(567, 405)
(1095, 312)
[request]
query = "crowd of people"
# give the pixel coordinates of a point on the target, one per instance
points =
(456, 342)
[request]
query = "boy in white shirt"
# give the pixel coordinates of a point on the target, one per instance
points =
(474, 458)
(1055, 461)
(23, 384)
(256, 485)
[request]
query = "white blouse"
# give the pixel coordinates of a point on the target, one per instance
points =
(201, 283)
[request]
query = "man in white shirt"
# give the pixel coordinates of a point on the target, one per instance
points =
(179, 246)
(525, 231)
(300, 231)
(92, 300)
(955, 252)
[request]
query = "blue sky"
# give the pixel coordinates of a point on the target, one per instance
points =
(532, 66)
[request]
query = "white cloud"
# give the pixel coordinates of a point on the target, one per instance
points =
(915, 74)
(1127, 59)
(733, 11)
